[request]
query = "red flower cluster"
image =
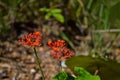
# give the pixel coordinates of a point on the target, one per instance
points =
(56, 46)
(59, 50)
(32, 39)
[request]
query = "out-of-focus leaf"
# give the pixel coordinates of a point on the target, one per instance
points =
(56, 11)
(89, 4)
(44, 9)
(47, 16)
(114, 18)
(59, 17)
(64, 36)
(115, 11)
(107, 70)
(78, 11)
(112, 3)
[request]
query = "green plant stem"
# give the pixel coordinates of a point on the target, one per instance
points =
(60, 66)
(38, 63)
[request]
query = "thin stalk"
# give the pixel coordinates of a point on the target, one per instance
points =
(60, 66)
(89, 4)
(38, 63)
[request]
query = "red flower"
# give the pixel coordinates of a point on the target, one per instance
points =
(56, 46)
(32, 39)
(59, 50)
(67, 53)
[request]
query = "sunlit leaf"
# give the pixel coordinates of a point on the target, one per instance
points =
(44, 9)
(56, 10)
(47, 16)
(59, 17)
(85, 75)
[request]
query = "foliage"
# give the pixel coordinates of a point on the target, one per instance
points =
(90, 15)
(63, 76)
(107, 69)
(55, 12)
(83, 75)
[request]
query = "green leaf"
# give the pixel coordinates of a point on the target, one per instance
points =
(63, 76)
(44, 9)
(85, 75)
(107, 70)
(55, 11)
(47, 16)
(65, 37)
(59, 17)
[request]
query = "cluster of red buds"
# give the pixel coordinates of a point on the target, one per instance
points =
(60, 51)
(32, 39)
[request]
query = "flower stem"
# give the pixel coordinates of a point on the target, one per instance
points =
(38, 63)
(60, 66)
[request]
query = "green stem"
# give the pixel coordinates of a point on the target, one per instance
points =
(60, 66)
(38, 63)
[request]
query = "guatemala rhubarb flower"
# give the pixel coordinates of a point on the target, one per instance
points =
(59, 50)
(56, 46)
(32, 39)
